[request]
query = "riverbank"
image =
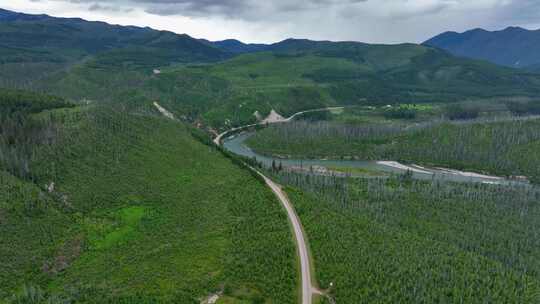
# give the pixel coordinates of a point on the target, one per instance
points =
(237, 145)
(504, 149)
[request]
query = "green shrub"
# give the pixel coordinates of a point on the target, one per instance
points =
(461, 112)
(400, 113)
(524, 108)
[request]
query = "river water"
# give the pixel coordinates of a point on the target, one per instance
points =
(236, 144)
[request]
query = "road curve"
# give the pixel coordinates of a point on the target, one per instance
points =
(307, 288)
(218, 138)
(311, 111)
(305, 265)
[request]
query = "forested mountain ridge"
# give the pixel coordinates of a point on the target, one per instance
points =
(301, 74)
(96, 200)
(74, 35)
(514, 46)
(226, 82)
(6, 15)
(238, 47)
(103, 200)
(39, 45)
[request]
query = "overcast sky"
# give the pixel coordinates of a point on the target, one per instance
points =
(376, 21)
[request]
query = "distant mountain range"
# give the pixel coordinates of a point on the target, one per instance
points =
(79, 59)
(38, 38)
(287, 45)
(237, 47)
(41, 38)
(513, 46)
(6, 15)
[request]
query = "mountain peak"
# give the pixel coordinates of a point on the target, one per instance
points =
(478, 30)
(238, 47)
(514, 28)
(231, 41)
(4, 12)
(519, 30)
(6, 15)
(514, 46)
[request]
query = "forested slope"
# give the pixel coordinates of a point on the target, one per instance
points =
(34, 47)
(399, 240)
(295, 79)
(125, 206)
(96, 62)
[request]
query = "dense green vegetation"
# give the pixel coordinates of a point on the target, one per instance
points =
(32, 226)
(33, 47)
(397, 240)
(497, 147)
(290, 79)
(21, 132)
(95, 62)
(116, 204)
(104, 201)
(460, 112)
(20, 102)
(524, 108)
(400, 113)
(125, 207)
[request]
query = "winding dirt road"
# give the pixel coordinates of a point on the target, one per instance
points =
(305, 264)
(307, 289)
(218, 138)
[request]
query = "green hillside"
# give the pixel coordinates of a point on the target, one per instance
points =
(289, 82)
(34, 47)
(103, 200)
(93, 61)
(127, 207)
(293, 80)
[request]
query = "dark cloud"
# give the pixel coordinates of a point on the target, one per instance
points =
(229, 8)
(106, 8)
(237, 9)
(522, 12)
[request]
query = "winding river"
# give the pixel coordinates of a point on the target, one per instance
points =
(236, 144)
